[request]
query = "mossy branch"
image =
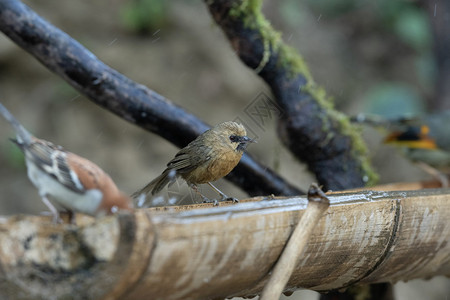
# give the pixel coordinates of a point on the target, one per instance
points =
(310, 127)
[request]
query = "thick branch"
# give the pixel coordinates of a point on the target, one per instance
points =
(120, 95)
(310, 127)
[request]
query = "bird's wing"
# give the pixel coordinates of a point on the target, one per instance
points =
(187, 160)
(53, 160)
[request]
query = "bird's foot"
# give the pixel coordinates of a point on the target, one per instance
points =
(224, 197)
(232, 199)
(214, 201)
(53, 210)
(57, 220)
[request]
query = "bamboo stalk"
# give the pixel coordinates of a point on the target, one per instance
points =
(204, 252)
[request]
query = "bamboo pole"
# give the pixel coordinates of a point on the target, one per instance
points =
(204, 252)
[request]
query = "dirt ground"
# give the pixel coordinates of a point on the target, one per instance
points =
(189, 61)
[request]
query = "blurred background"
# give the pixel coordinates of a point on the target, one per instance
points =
(371, 56)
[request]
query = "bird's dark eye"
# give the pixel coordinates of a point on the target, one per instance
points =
(234, 138)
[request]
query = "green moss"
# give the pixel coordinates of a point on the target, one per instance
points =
(289, 59)
(359, 148)
(250, 14)
(266, 57)
(294, 63)
(319, 94)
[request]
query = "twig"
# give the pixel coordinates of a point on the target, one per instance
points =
(129, 100)
(317, 205)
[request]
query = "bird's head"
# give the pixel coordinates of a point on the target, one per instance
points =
(412, 137)
(234, 134)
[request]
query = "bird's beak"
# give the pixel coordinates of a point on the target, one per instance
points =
(246, 139)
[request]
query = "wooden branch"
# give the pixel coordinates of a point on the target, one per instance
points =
(317, 205)
(310, 127)
(199, 251)
(129, 100)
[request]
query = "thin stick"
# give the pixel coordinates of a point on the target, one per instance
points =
(317, 205)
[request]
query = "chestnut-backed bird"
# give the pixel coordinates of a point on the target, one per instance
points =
(73, 182)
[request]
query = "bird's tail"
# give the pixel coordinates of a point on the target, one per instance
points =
(23, 136)
(157, 184)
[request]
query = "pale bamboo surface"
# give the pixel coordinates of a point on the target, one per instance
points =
(318, 203)
(204, 252)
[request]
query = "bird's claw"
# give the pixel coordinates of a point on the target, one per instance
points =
(226, 198)
(57, 220)
(232, 199)
(214, 201)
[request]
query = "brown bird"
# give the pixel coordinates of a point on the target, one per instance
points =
(73, 182)
(209, 157)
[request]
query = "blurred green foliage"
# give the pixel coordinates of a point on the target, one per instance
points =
(408, 21)
(426, 70)
(64, 91)
(400, 25)
(413, 28)
(404, 18)
(144, 16)
(391, 99)
(13, 156)
(292, 12)
(333, 8)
